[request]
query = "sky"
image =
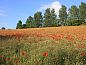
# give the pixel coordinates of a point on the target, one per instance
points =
(13, 10)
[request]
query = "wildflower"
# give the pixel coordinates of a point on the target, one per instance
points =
(17, 61)
(81, 46)
(1, 56)
(45, 54)
(7, 59)
(23, 53)
(83, 53)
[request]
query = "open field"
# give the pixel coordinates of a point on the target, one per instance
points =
(43, 46)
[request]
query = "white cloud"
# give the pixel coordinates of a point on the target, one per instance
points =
(55, 5)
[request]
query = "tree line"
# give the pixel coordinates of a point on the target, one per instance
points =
(74, 16)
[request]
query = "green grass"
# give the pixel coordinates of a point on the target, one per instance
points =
(41, 51)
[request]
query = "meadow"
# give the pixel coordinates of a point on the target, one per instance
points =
(43, 46)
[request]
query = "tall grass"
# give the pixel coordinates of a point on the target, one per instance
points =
(41, 51)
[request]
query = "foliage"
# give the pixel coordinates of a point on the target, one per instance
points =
(19, 25)
(24, 26)
(53, 18)
(47, 17)
(63, 14)
(74, 16)
(82, 11)
(29, 22)
(73, 12)
(38, 19)
(3, 28)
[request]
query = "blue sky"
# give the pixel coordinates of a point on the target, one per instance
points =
(13, 10)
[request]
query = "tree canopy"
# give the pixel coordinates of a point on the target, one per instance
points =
(67, 17)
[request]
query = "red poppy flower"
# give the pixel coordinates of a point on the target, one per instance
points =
(17, 61)
(45, 54)
(7, 59)
(23, 53)
(1, 56)
(83, 53)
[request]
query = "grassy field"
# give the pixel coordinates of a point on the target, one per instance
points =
(43, 46)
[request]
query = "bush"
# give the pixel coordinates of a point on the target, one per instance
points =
(74, 22)
(3, 28)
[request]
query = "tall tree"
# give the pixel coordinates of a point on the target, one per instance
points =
(73, 15)
(74, 12)
(63, 14)
(19, 25)
(53, 18)
(38, 18)
(82, 11)
(29, 22)
(47, 17)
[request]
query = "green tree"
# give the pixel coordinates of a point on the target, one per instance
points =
(24, 26)
(3, 28)
(38, 19)
(47, 18)
(82, 11)
(63, 14)
(19, 25)
(74, 12)
(73, 16)
(53, 18)
(29, 22)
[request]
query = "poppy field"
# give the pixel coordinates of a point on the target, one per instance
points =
(43, 46)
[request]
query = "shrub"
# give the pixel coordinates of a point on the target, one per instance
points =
(3, 28)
